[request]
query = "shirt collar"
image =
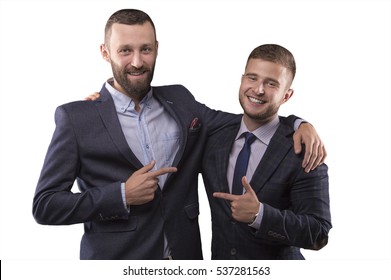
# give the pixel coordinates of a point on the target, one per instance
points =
(263, 133)
(123, 102)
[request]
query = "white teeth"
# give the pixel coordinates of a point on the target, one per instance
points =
(252, 99)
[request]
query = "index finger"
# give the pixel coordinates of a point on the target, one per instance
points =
(308, 153)
(226, 196)
(162, 171)
(146, 168)
(297, 143)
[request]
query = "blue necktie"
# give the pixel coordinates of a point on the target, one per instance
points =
(242, 163)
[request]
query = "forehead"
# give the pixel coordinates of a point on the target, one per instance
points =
(132, 34)
(265, 68)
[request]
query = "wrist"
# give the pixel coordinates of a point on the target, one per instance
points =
(256, 213)
(254, 218)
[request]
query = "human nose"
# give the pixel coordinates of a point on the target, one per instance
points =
(259, 88)
(137, 61)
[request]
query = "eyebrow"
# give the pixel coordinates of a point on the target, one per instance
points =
(266, 79)
(251, 74)
(129, 46)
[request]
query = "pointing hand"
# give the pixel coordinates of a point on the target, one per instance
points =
(142, 184)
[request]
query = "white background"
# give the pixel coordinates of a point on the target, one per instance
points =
(49, 55)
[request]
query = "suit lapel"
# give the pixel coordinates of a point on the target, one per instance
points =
(177, 113)
(107, 112)
(223, 149)
(279, 146)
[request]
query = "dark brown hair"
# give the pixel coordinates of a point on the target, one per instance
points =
(129, 17)
(277, 54)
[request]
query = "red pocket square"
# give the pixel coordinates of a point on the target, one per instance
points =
(195, 123)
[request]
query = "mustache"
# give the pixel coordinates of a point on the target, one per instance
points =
(137, 70)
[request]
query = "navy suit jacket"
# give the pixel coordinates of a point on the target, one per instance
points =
(88, 145)
(296, 204)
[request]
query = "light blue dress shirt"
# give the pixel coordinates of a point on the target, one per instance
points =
(152, 134)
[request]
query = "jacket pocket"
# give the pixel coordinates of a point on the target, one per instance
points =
(192, 210)
(115, 225)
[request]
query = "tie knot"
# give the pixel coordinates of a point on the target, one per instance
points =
(250, 138)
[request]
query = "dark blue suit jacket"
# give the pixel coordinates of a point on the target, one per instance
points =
(89, 146)
(296, 204)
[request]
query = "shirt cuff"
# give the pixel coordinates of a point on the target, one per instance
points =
(258, 220)
(297, 123)
(124, 196)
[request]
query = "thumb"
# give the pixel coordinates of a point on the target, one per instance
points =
(246, 185)
(297, 143)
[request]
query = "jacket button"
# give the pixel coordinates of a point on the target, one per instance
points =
(233, 251)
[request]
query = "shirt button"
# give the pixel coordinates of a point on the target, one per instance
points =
(147, 146)
(233, 251)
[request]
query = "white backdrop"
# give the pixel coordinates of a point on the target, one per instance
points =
(49, 55)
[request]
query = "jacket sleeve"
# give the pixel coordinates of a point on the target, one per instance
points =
(290, 120)
(307, 221)
(217, 120)
(54, 203)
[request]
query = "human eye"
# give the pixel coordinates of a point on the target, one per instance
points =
(251, 78)
(146, 50)
(272, 84)
(124, 51)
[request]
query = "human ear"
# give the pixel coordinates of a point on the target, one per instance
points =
(288, 94)
(105, 53)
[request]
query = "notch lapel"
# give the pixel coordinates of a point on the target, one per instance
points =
(180, 117)
(279, 146)
(223, 149)
(108, 114)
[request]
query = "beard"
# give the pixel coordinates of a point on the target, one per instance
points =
(134, 89)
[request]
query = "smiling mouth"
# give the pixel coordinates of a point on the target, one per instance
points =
(136, 73)
(255, 100)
